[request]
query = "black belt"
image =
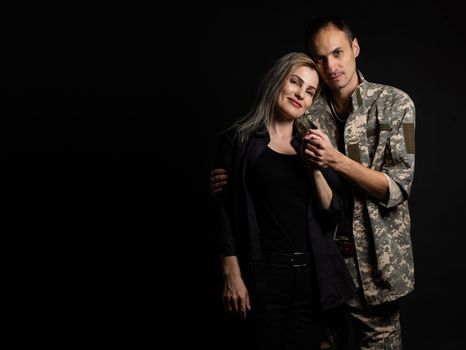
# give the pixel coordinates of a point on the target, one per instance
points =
(298, 259)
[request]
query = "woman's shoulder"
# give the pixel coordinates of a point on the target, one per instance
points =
(227, 139)
(228, 135)
(229, 132)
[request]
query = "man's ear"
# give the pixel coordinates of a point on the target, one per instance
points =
(355, 47)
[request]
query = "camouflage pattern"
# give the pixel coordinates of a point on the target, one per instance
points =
(372, 328)
(379, 326)
(379, 134)
(382, 330)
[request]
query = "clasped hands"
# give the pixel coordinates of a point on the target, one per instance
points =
(317, 150)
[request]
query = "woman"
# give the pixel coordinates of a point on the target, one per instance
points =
(280, 264)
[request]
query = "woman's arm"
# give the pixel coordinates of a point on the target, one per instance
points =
(320, 188)
(235, 293)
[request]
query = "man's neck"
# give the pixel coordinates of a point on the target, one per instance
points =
(341, 105)
(341, 98)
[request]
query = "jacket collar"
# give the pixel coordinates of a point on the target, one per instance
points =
(263, 134)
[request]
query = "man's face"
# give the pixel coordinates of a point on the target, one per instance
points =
(336, 56)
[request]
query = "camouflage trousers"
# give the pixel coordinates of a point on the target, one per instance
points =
(363, 327)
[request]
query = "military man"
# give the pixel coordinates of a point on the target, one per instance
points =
(365, 132)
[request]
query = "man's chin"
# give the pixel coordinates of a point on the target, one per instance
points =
(334, 86)
(337, 85)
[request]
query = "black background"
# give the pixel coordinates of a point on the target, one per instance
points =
(106, 135)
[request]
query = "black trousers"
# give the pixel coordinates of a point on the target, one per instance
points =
(293, 319)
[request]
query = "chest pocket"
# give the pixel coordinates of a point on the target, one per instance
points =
(377, 136)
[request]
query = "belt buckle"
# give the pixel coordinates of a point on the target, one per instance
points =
(298, 260)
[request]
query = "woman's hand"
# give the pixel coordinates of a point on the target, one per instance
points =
(235, 296)
(235, 293)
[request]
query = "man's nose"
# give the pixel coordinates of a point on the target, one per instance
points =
(331, 63)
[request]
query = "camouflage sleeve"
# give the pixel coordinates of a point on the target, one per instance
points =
(400, 153)
(395, 194)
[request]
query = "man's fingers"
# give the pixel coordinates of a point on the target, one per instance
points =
(218, 172)
(309, 137)
(316, 132)
(217, 183)
(311, 155)
(315, 142)
(218, 178)
(311, 149)
(220, 185)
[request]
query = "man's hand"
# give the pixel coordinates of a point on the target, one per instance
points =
(306, 156)
(218, 180)
(319, 150)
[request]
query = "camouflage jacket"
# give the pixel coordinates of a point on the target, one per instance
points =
(379, 134)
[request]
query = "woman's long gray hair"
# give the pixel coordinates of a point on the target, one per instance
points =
(260, 115)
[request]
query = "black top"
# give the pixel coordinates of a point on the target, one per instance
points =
(281, 191)
(239, 233)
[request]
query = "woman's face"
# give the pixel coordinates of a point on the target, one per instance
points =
(297, 93)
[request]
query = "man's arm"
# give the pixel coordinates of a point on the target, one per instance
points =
(321, 151)
(224, 200)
